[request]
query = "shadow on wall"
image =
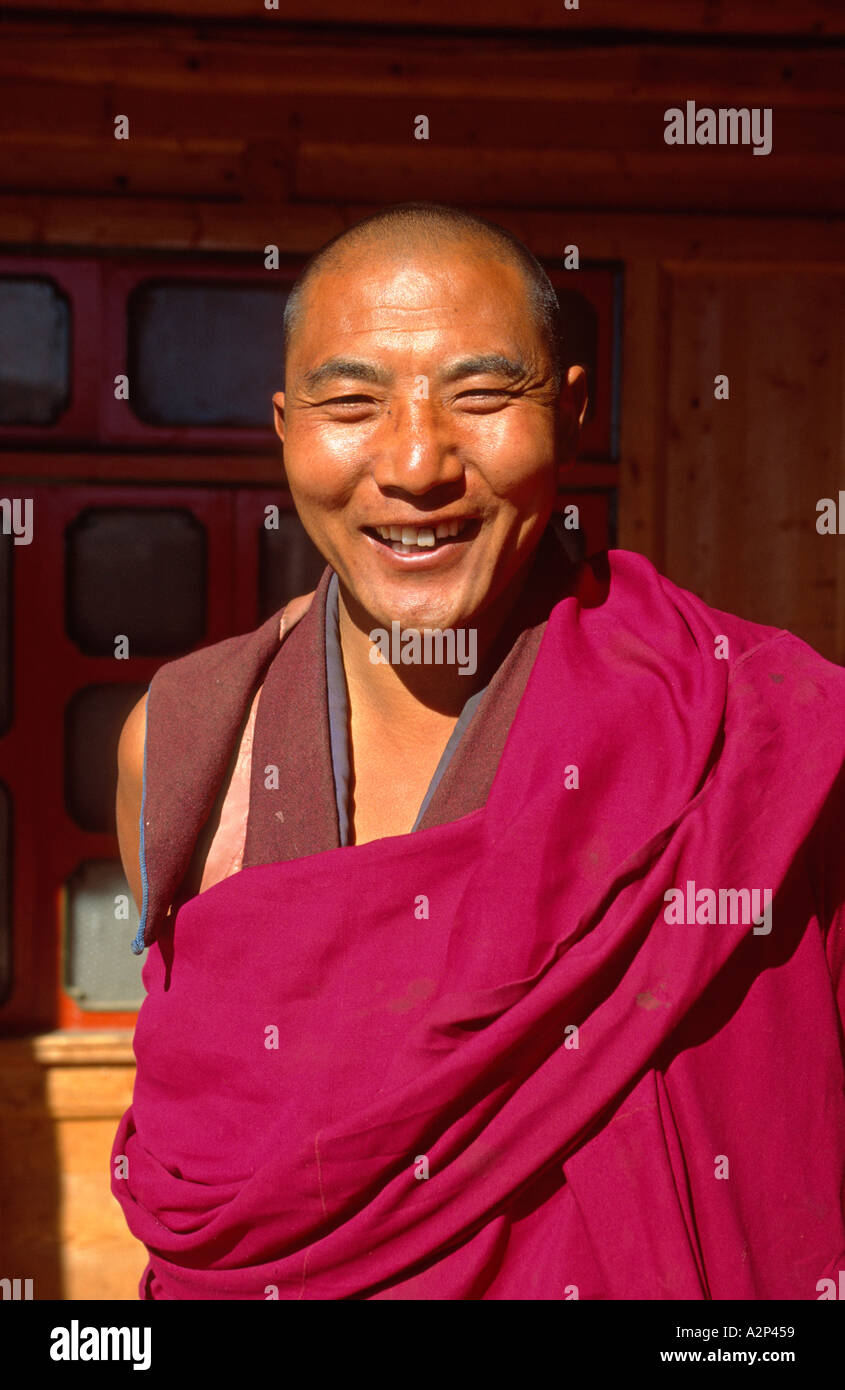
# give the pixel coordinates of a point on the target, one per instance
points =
(60, 1101)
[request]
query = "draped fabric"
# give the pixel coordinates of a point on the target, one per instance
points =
(487, 1060)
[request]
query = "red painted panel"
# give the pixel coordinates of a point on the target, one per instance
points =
(119, 424)
(81, 282)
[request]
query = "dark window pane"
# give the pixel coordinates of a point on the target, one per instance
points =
(580, 339)
(34, 351)
(100, 970)
(5, 893)
(203, 354)
(6, 547)
(137, 572)
(288, 564)
(93, 720)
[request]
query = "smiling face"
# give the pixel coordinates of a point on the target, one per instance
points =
(420, 425)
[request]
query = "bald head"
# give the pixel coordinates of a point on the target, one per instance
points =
(400, 231)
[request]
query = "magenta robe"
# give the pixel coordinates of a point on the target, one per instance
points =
(478, 1061)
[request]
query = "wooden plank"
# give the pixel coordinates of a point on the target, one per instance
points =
(35, 221)
(70, 1075)
(164, 224)
(481, 115)
(165, 168)
(813, 18)
(626, 237)
(107, 1046)
(284, 63)
(708, 180)
(67, 1093)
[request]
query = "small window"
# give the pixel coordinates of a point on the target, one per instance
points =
(5, 893)
(34, 351)
(6, 547)
(100, 971)
(289, 564)
(93, 720)
(201, 354)
(138, 573)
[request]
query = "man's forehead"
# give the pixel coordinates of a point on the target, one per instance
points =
(417, 248)
(406, 301)
(413, 279)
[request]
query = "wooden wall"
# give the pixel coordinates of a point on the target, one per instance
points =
(251, 126)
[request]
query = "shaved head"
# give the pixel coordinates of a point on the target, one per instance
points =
(397, 232)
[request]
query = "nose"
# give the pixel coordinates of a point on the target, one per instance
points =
(417, 449)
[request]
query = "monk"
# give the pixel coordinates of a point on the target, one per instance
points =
(493, 898)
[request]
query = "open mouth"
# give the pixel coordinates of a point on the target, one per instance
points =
(418, 540)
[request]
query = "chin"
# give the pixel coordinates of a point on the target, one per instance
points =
(418, 615)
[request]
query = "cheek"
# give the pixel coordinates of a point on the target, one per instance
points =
(322, 467)
(525, 480)
(514, 454)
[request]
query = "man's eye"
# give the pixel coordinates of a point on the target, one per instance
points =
(349, 400)
(490, 393)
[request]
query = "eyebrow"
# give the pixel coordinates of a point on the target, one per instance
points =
(490, 363)
(355, 369)
(350, 367)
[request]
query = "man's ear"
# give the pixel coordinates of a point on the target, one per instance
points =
(279, 414)
(572, 408)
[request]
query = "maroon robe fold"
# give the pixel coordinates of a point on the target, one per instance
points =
(494, 1058)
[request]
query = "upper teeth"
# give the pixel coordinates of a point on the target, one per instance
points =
(420, 535)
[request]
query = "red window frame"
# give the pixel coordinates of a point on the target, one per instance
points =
(119, 423)
(80, 281)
